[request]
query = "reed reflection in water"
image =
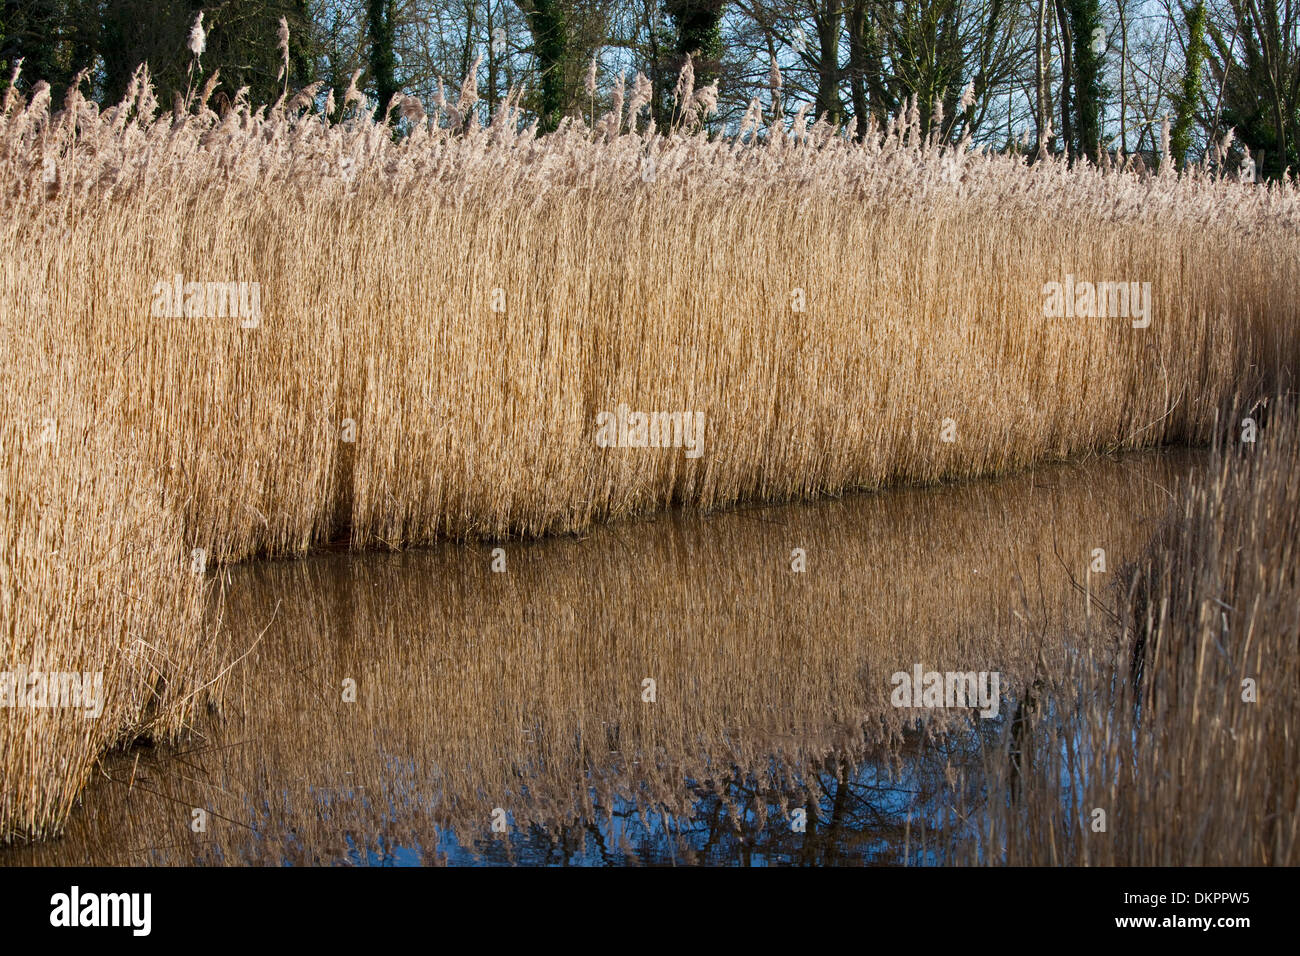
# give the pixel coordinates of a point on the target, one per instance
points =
(523, 691)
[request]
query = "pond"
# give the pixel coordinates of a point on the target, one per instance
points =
(689, 688)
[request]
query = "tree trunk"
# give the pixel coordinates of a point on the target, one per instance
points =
(857, 24)
(383, 60)
(827, 21)
(1040, 61)
(1123, 88)
(1067, 76)
(546, 19)
(699, 36)
(1085, 24)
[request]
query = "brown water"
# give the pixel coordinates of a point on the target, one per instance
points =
(518, 696)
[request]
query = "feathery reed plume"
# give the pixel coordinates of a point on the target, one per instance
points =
(967, 97)
(685, 87)
(751, 121)
(205, 93)
(197, 41)
(469, 91)
(612, 123)
(352, 94)
(306, 97)
(283, 41)
(641, 96)
(412, 110)
(703, 103)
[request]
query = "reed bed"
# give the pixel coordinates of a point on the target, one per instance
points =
(92, 583)
(920, 271)
(445, 308)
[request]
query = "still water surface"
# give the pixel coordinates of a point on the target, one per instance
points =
(389, 709)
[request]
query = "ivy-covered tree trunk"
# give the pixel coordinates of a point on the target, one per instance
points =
(1088, 36)
(1189, 97)
(699, 35)
(383, 59)
(549, 26)
(302, 45)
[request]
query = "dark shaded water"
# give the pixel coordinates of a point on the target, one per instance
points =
(420, 708)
